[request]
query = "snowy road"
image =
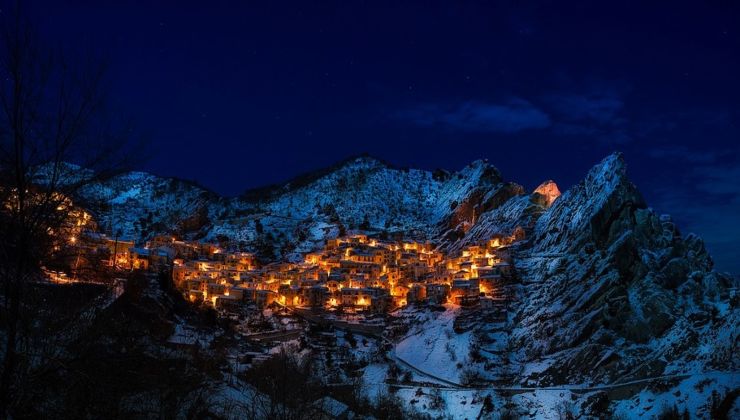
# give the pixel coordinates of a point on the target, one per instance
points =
(433, 352)
(393, 356)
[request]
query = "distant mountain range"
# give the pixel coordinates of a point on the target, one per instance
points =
(359, 194)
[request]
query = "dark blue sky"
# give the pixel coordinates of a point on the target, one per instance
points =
(241, 94)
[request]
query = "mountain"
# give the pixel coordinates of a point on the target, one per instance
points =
(360, 194)
(612, 292)
(609, 291)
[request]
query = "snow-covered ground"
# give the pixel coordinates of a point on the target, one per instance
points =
(458, 404)
(434, 348)
(690, 394)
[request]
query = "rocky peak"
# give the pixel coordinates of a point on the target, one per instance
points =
(597, 210)
(606, 175)
(546, 193)
(482, 171)
(363, 162)
(614, 280)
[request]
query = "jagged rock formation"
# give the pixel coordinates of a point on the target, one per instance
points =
(546, 193)
(614, 291)
(610, 293)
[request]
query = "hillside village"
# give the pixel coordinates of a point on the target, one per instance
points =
(355, 273)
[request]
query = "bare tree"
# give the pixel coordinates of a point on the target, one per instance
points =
(285, 387)
(54, 141)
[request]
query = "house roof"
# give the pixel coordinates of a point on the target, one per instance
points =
(140, 251)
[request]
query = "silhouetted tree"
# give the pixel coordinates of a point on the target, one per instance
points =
(287, 388)
(365, 225)
(52, 113)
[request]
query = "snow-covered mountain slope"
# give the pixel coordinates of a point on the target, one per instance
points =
(361, 194)
(614, 291)
(610, 297)
(137, 205)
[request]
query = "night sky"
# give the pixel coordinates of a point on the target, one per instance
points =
(236, 95)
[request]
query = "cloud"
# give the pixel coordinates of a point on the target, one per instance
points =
(598, 112)
(606, 135)
(707, 203)
(595, 114)
(719, 180)
(512, 116)
(599, 107)
(714, 222)
(682, 153)
(601, 113)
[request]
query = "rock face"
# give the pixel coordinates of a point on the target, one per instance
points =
(619, 292)
(610, 292)
(546, 193)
